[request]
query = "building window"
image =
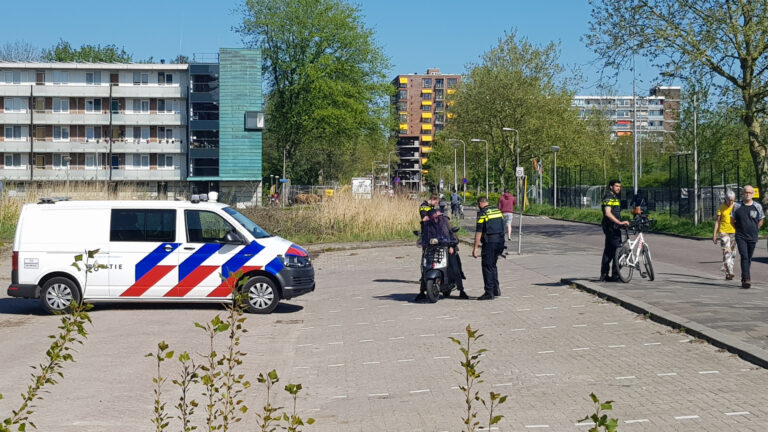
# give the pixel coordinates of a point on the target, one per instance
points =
(138, 161)
(426, 82)
(11, 77)
(439, 106)
(439, 83)
(14, 133)
(402, 106)
(427, 108)
(426, 96)
(93, 78)
(61, 133)
(403, 118)
(140, 78)
(622, 113)
(60, 161)
(452, 82)
(402, 94)
(60, 105)
(403, 85)
(91, 161)
(140, 106)
(60, 77)
(164, 78)
(39, 104)
(439, 95)
(40, 133)
(92, 133)
(165, 134)
(167, 106)
(439, 118)
(93, 105)
(403, 131)
(13, 105)
(13, 160)
(164, 161)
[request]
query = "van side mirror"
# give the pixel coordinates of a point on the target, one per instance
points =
(233, 237)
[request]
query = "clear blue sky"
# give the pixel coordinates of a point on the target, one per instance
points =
(452, 33)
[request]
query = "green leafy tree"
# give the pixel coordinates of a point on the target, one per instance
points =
(518, 85)
(326, 92)
(722, 43)
(63, 52)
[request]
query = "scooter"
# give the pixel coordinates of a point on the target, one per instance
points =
(434, 270)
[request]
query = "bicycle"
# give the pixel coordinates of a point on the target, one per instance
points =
(458, 210)
(629, 256)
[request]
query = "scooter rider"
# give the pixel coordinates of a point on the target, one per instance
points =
(438, 226)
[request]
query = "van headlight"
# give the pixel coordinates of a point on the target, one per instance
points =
(294, 261)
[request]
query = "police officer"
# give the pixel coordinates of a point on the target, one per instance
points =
(490, 231)
(610, 224)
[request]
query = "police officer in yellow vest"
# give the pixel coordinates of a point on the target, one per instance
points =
(610, 224)
(490, 231)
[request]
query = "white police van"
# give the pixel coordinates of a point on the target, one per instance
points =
(154, 251)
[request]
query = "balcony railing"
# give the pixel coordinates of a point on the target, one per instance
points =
(147, 174)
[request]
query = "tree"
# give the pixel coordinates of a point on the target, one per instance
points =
(724, 41)
(63, 52)
(326, 92)
(522, 86)
(20, 51)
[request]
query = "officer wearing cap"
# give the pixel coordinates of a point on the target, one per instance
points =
(610, 224)
(490, 231)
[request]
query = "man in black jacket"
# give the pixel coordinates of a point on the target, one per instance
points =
(610, 224)
(489, 231)
(747, 217)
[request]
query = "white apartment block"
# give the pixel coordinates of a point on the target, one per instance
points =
(94, 122)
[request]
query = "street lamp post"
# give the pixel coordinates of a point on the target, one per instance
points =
(67, 159)
(486, 162)
(455, 145)
(517, 161)
(555, 149)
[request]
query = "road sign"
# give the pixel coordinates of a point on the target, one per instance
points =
(520, 172)
(464, 180)
(284, 180)
(397, 180)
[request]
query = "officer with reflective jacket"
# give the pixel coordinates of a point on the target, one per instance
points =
(427, 211)
(428, 206)
(490, 231)
(610, 224)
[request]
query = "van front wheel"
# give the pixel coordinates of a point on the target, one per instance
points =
(260, 295)
(58, 294)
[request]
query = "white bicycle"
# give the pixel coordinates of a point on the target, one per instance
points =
(634, 252)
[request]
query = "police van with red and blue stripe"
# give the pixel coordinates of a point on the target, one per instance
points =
(153, 251)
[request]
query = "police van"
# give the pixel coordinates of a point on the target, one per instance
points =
(153, 251)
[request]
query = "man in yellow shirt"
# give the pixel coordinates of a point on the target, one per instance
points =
(724, 233)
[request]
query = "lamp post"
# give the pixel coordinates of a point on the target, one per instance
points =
(517, 160)
(486, 162)
(455, 145)
(67, 159)
(389, 167)
(555, 149)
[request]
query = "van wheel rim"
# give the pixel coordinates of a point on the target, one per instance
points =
(58, 296)
(261, 295)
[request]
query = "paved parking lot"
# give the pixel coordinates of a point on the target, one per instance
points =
(372, 360)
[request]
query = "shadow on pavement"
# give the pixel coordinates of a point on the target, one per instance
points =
(396, 281)
(401, 297)
(553, 284)
(18, 306)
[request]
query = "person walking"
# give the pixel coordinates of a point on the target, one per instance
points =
(724, 234)
(610, 224)
(747, 217)
(455, 204)
(489, 231)
(507, 203)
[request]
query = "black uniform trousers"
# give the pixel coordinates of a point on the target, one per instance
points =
(488, 259)
(612, 242)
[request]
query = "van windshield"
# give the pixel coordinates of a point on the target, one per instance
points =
(248, 224)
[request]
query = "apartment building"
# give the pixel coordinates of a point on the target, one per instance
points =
(421, 106)
(163, 127)
(657, 113)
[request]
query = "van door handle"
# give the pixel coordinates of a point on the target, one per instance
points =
(189, 248)
(168, 248)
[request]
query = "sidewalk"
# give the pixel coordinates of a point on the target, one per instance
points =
(688, 291)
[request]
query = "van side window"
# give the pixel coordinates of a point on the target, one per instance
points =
(206, 227)
(129, 225)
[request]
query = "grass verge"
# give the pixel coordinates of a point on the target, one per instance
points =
(663, 222)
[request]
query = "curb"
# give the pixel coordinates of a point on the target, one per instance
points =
(318, 248)
(750, 353)
(652, 232)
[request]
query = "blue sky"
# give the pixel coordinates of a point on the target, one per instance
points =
(450, 33)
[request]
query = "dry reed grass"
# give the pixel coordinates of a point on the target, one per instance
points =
(342, 219)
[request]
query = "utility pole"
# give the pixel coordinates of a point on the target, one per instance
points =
(695, 165)
(635, 178)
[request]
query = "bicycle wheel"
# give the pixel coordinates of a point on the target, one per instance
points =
(625, 270)
(646, 256)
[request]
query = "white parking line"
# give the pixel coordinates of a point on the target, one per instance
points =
(336, 365)
(442, 316)
(304, 345)
(405, 360)
(378, 394)
(544, 374)
(527, 296)
(524, 309)
(335, 325)
(340, 397)
(361, 323)
(366, 340)
(550, 308)
(397, 338)
(496, 312)
(610, 323)
(545, 352)
(418, 391)
(520, 329)
(652, 343)
(441, 357)
(334, 311)
(553, 295)
(427, 335)
(709, 372)
(577, 306)
(584, 424)
(503, 384)
(580, 349)
(543, 426)
(549, 327)
(737, 413)
(389, 320)
(626, 377)
(684, 340)
(616, 346)
(301, 367)
(371, 362)
(636, 421)
(667, 374)
(688, 417)
(418, 318)
(306, 328)
(335, 343)
(362, 308)
(580, 325)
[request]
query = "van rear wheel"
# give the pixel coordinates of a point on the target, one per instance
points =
(260, 295)
(58, 294)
